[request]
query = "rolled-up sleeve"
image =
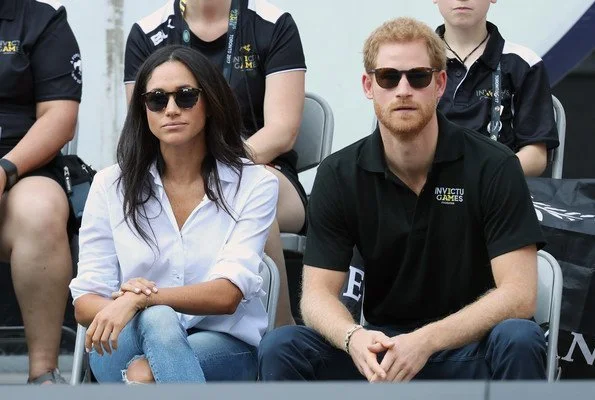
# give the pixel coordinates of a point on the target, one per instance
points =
(98, 270)
(239, 260)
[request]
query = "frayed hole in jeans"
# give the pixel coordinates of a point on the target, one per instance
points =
(125, 376)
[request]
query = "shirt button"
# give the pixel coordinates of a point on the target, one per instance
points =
(458, 74)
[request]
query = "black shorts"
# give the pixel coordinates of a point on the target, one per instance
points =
(52, 171)
(291, 174)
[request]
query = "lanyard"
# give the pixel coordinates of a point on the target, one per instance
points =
(495, 125)
(234, 14)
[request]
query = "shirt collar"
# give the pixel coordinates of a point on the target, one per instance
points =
(8, 9)
(226, 173)
(450, 147)
(494, 46)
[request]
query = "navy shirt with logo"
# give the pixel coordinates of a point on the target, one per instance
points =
(267, 42)
(425, 257)
(39, 61)
(528, 114)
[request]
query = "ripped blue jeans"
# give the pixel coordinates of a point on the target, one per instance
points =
(175, 356)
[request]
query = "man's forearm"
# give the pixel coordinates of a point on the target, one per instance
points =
(328, 316)
(474, 321)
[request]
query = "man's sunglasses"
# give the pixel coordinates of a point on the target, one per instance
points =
(389, 78)
(157, 100)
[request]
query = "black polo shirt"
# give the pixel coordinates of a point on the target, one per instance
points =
(267, 42)
(528, 115)
(39, 61)
(425, 257)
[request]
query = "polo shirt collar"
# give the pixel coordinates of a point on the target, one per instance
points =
(371, 156)
(494, 46)
(450, 147)
(493, 51)
(8, 9)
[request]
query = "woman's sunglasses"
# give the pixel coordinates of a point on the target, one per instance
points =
(418, 78)
(157, 100)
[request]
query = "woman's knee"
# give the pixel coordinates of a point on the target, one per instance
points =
(138, 371)
(161, 320)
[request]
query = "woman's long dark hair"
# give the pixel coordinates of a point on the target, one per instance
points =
(138, 148)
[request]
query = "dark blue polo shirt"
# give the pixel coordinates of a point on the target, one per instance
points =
(425, 257)
(528, 114)
(39, 61)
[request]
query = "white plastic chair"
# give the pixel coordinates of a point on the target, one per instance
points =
(81, 371)
(549, 302)
(313, 144)
(558, 156)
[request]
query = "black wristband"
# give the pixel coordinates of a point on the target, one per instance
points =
(12, 175)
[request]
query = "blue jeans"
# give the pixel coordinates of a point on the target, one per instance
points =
(175, 356)
(514, 349)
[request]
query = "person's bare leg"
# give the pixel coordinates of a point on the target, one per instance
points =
(290, 209)
(290, 218)
(33, 237)
(274, 249)
(139, 371)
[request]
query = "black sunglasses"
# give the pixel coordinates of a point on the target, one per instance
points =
(156, 100)
(389, 78)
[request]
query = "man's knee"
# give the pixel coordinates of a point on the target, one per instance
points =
(519, 336)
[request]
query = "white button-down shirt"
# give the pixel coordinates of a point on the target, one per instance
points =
(210, 244)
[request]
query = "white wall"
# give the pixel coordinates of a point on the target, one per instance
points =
(332, 31)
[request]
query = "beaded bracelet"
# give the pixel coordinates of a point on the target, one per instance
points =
(348, 335)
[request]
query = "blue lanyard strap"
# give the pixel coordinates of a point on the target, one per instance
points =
(495, 125)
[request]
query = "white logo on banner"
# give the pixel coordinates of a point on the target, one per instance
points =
(559, 213)
(582, 345)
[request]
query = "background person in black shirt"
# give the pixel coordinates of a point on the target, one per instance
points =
(266, 73)
(474, 50)
(445, 225)
(40, 91)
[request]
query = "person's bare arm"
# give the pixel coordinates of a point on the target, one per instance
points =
(515, 296)
(321, 307)
(54, 127)
(533, 158)
(323, 311)
(216, 297)
(283, 108)
(129, 90)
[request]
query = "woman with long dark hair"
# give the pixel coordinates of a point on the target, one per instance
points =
(258, 49)
(173, 235)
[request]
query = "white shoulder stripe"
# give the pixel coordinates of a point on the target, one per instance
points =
(525, 53)
(53, 3)
(160, 16)
(265, 10)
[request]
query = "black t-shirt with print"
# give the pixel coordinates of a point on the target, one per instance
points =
(425, 257)
(39, 61)
(267, 42)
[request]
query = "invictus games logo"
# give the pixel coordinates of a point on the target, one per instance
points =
(246, 60)
(77, 68)
(9, 46)
(488, 94)
(449, 195)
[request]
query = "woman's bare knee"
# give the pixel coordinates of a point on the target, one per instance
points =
(139, 371)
